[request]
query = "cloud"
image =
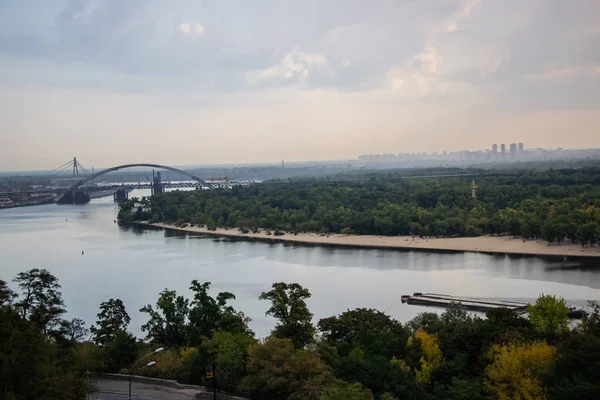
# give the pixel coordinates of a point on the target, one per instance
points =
(184, 27)
(293, 67)
(191, 29)
(577, 71)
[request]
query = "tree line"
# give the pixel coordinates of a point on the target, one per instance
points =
(553, 205)
(360, 354)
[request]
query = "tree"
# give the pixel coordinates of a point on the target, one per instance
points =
(348, 391)
(228, 351)
(371, 330)
(112, 318)
(120, 352)
(549, 315)
(590, 323)
(549, 231)
(515, 369)
(167, 324)
(72, 331)
(432, 355)
(587, 233)
(6, 294)
(575, 374)
(208, 314)
(289, 307)
(31, 366)
(276, 370)
(41, 300)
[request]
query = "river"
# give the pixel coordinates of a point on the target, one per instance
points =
(135, 265)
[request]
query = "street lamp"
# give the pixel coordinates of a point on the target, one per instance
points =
(133, 369)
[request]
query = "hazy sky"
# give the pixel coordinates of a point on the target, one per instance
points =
(219, 81)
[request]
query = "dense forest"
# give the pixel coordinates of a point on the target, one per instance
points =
(360, 354)
(553, 205)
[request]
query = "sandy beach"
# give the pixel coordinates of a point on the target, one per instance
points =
(482, 244)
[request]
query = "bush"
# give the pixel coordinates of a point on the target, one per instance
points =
(279, 233)
(168, 366)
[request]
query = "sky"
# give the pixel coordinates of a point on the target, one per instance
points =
(190, 82)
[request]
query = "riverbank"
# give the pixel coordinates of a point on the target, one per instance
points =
(481, 244)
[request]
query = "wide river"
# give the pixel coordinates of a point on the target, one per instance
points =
(135, 265)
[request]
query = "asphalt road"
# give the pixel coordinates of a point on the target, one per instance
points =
(109, 389)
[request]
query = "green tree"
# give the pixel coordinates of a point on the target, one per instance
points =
(348, 391)
(32, 367)
(72, 331)
(120, 352)
(112, 318)
(590, 324)
(371, 330)
(6, 294)
(549, 315)
(576, 373)
(167, 324)
(276, 370)
(41, 300)
(228, 352)
(288, 305)
(208, 314)
(588, 233)
(549, 231)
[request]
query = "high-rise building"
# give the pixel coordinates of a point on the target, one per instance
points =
(513, 149)
(503, 149)
(521, 147)
(494, 148)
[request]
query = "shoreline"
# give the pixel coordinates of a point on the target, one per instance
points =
(481, 244)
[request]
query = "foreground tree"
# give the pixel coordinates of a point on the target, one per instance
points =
(549, 315)
(228, 351)
(208, 314)
(41, 300)
(31, 366)
(576, 372)
(515, 370)
(6, 294)
(167, 323)
(348, 391)
(72, 331)
(371, 330)
(276, 370)
(112, 318)
(288, 305)
(432, 355)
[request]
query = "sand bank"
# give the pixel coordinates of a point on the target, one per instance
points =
(482, 244)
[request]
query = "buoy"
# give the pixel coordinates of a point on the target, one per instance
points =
(81, 252)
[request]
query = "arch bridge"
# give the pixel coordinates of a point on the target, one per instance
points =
(118, 167)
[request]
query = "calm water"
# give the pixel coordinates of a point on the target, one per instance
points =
(136, 265)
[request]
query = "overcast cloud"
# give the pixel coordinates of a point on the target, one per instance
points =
(217, 81)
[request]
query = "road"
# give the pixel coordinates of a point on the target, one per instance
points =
(110, 389)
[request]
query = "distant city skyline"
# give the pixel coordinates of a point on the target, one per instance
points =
(189, 82)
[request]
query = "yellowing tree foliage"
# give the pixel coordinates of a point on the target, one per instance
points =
(432, 355)
(515, 369)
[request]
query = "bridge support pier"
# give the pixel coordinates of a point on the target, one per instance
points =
(121, 195)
